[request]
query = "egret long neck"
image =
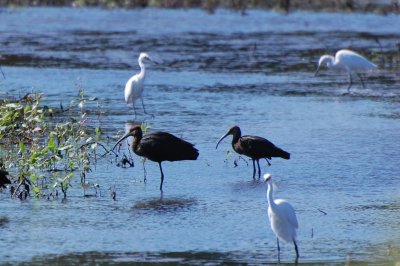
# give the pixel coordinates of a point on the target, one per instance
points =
(330, 61)
(142, 68)
(270, 191)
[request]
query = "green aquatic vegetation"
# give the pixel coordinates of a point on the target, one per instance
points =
(45, 149)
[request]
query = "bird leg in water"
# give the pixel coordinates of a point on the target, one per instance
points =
(279, 250)
(144, 171)
(162, 176)
(297, 251)
(1, 70)
(144, 109)
(259, 171)
(254, 170)
(361, 79)
(134, 110)
(350, 83)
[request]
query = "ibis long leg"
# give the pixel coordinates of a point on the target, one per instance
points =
(259, 170)
(162, 176)
(254, 169)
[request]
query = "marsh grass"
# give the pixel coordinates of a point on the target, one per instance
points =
(44, 148)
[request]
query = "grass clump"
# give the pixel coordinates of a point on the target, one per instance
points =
(45, 148)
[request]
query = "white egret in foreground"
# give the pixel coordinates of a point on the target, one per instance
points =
(282, 218)
(348, 60)
(134, 86)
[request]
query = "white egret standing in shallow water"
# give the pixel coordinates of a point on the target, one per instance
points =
(282, 218)
(348, 60)
(134, 86)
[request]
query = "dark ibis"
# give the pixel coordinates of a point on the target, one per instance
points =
(160, 146)
(254, 147)
(3, 179)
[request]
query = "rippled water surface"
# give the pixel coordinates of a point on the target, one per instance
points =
(256, 71)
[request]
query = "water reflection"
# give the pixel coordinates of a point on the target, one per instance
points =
(164, 205)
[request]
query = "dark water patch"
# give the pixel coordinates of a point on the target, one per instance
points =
(395, 115)
(165, 205)
(261, 51)
(395, 206)
(4, 220)
(248, 184)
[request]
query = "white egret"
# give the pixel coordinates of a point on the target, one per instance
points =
(282, 218)
(134, 86)
(348, 60)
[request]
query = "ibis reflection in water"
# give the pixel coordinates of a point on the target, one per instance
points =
(134, 86)
(254, 147)
(351, 61)
(160, 146)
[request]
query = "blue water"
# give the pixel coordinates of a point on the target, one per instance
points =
(344, 148)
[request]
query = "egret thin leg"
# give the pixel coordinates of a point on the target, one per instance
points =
(361, 79)
(144, 109)
(1, 70)
(279, 250)
(162, 176)
(297, 250)
(259, 170)
(254, 169)
(350, 82)
(134, 110)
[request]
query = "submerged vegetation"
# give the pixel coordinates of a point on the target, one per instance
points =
(45, 148)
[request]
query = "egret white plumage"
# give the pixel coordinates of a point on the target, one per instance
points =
(134, 86)
(349, 60)
(282, 218)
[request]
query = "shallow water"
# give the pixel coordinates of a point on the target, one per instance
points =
(256, 71)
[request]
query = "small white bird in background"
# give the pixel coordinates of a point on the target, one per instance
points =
(282, 218)
(134, 86)
(348, 60)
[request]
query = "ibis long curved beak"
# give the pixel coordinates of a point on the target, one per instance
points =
(316, 72)
(122, 138)
(224, 136)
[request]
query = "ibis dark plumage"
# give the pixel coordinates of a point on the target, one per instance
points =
(254, 147)
(159, 147)
(3, 179)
